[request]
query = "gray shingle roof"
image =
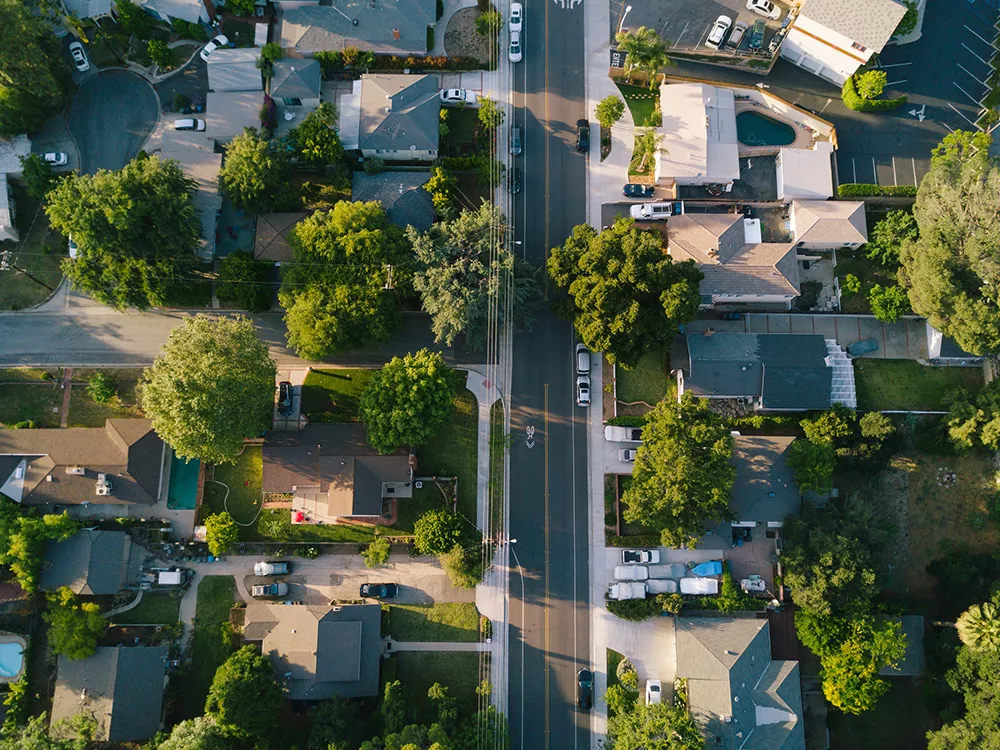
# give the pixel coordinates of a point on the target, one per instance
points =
(830, 221)
(399, 112)
(765, 488)
(382, 26)
(868, 22)
(296, 79)
(271, 238)
(402, 194)
(90, 562)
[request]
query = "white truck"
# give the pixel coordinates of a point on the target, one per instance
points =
(277, 568)
(616, 434)
(631, 572)
(619, 591)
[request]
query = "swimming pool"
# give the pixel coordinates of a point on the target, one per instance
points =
(11, 660)
(183, 491)
(755, 129)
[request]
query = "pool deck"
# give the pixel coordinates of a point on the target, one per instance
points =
(804, 137)
(6, 637)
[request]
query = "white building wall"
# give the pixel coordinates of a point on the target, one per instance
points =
(819, 58)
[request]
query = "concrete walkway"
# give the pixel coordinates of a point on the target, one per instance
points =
(67, 384)
(485, 396)
(131, 605)
(394, 646)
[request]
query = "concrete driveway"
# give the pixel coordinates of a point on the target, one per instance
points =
(110, 118)
(906, 339)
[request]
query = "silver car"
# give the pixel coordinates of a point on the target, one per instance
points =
(515, 140)
(79, 57)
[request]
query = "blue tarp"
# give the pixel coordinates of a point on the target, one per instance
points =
(710, 568)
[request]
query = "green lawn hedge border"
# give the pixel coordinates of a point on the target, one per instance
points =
(862, 190)
(854, 100)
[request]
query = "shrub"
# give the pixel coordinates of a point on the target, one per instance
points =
(610, 110)
(489, 23)
(809, 295)
(269, 114)
(854, 100)
(159, 53)
(329, 63)
(909, 20)
(635, 610)
(852, 284)
(377, 553)
(188, 30)
(463, 566)
(309, 553)
(626, 674)
(636, 540)
(888, 303)
(862, 190)
(102, 388)
(870, 84)
(430, 38)
(24, 424)
(672, 603)
(627, 421)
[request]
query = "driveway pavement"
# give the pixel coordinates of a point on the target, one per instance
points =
(110, 118)
(906, 339)
(192, 82)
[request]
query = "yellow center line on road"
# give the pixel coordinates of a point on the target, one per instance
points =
(546, 483)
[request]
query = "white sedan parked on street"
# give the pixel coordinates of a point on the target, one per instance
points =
(458, 97)
(514, 53)
(516, 17)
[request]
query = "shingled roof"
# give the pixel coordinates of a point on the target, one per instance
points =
(399, 112)
(91, 563)
(868, 22)
(830, 221)
(384, 27)
(296, 79)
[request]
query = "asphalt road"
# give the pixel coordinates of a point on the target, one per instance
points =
(548, 483)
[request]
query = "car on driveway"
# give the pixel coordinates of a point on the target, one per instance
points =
(739, 31)
(516, 22)
(641, 556)
(458, 97)
(583, 390)
(757, 35)
(379, 590)
(79, 57)
(220, 41)
(276, 568)
(189, 123)
(654, 692)
(270, 589)
(635, 190)
(718, 33)
(585, 689)
(764, 8)
(583, 135)
(284, 398)
(514, 52)
(627, 455)
(57, 159)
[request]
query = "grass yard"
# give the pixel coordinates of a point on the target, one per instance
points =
(461, 130)
(39, 253)
(85, 412)
(631, 529)
(648, 381)
(459, 670)
(498, 459)
(28, 375)
(869, 272)
(641, 102)
(453, 451)
(158, 609)
(244, 480)
(333, 395)
(900, 721)
(240, 33)
(904, 384)
(457, 623)
(216, 595)
(275, 525)
(320, 191)
(194, 290)
(40, 403)
(408, 510)
(614, 659)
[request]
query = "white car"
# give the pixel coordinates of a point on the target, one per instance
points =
(627, 455)
(516, 21)
(640, 556)
(514, 52)
(631, 572)
(654, 692)
(583, 390)
(57, 159)
(79, 57)
(718, 33)
(458, 97)
(220, 41)
(764, 8)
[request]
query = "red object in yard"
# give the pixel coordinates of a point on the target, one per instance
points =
(299, 516)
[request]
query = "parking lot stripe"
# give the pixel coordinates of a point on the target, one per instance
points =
(971, 98)
(677, 41)
(874, 171)
(950, 128)
(854, 167)
(895, 181)
(962, 116)
(914, 163)
(977, 36)
(667, 23)
(894, 65)
(972, 76)
(895, 83)
(974, 54)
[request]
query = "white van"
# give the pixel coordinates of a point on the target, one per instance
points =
(189, 124)
(654, 211)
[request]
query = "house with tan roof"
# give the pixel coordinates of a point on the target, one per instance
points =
(828, 225)
(398, 117)
(738, 267)
(699, 144)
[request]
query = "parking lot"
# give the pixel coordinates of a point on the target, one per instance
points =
(687, 24)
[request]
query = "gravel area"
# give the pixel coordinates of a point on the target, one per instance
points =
(461, 39)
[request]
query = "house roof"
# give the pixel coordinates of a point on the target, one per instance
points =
(88, 8)
(401, 193)
(296, 79)
(399, 112)
(742, 697)
(784, 370)
(122, 688)
(125, 449)
(382, 26)
(830, 221)
(229, 113)
(764, 489)
(191, 11)
(271, 239)
(235, 70)
(699, 133)
(8, 229)
(91, 563)
(322, 651)
(868, 22)
(807, 172)
(11, 152)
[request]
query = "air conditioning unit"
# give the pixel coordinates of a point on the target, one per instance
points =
(103, 487)
(76, 471)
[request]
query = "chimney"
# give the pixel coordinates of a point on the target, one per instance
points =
(395, 34)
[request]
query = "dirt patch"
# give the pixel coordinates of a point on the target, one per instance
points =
(462, 40)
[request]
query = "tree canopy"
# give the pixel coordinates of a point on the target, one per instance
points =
(979, 626)
(850, 674)
(243, 281)
(627, 296)
(661, 726)
(463, 271)
(74, 625)
(315, 139)
(202, 733)
(951, 270)
(244, 696)
(211, 388)
(975, 424)
(889, 234)
(334, 291)
(812, 463)
(438, 531)
(408, 400)
(22, 541)
(610, 110)
(645, 51)
(255, 172)
(136, 230)
(682, 476)
(221, 533)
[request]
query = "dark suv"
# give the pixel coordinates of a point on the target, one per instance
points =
(582, 135)
(379, 590)
(284, 398)
(585, 689)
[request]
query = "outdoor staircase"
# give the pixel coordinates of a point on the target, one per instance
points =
(842, 389)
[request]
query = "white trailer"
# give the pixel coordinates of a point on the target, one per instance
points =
(620, 591)
(616, 434)
(702, 586)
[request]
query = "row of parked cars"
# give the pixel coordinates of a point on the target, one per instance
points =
(717, 37)
(277, 589)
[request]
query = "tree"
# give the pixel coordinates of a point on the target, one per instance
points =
(627, 296)
(610, 110)
(438, 531)
(870, 84)
(243, 282)
(974, 677)
(850, 676)
(947, 270)
(909, 20)
(888, 303)
(74, 626)
(489, 22)
(852, 284)
(159, 53)
(889, 234)
(339, 290)
(682, 475)
(211, 388)
(979, 626)
(490, 115)
(24, 551)
(133, 19)
(975, 425)
(377, 552)
(240, 7)
(35, 734)
(255, 174)
(876, 429)
(661, 726)
(37, 175)
(222, 533)
(645, 51)
(332, 721)
(834, 426)
(464, 269)
(445, 706)
(464, 566)
(244, 696)
(442, 187)
(102, 388)
(136, 230)
(393, 708)
(316, 139)
(196, 734)
(270, 53)
(408, 401)
(812, 463)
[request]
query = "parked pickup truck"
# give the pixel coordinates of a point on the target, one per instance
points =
(661, 586)
(620, 591)
(640, 556)
(617, 434)
(631, 572)
(669, 570)
(270, 589)
(271, 568)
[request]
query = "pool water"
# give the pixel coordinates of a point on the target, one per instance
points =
(183, 491)
(11, 659)
(755, 129)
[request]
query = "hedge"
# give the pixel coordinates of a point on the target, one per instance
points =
(636, 540)
(332, 63)
(853, 100)
(862, 190)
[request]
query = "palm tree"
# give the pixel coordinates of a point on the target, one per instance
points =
(979, 627)
(645, 51)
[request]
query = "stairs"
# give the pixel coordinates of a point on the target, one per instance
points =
(842, 389)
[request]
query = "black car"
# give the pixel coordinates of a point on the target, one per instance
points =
(635, 190)
(585, 689)
(284, 398)
(582, 135)
(514, 181)
(379, 590)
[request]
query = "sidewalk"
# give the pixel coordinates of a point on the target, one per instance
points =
(599, 615)
(394, 646)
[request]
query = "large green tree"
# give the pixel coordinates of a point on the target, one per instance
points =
(975, 424)
(952, 270)
(979, 626)
(851, 680)
(255, 172)
(136, 230)
(221, 533)
(24, 551)
(627, 295)
(974, 677)
(211, 388)
(889, 234)
(243, 282)
(438, 531)
(315, 139)
(244, 696)
(645, 51)
(340, 290)
(812, 463)
(660, 726)
(35, 735)
(202, 733)
(465, 273)
(408, 401)
(682, 475)
(74, 625)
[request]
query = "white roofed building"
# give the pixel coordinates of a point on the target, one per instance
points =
(699, 145)
(805, 173)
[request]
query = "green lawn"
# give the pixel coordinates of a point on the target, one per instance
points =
(40, 403)
(904, 384)
(614, 659)
(85, 412)
(868, 272)
(244, 479)
(194, 290)
(39, 254)
(498, 458)
(409, 510)
(459, 670)
(453, 451)
(631, 529)
(275, 525)
(461, 130)
(648, 381)
(333, 395)
(158, 608)
(458, 623)
(641, 103)
(28, 375)
(240, 33)
(216, 595)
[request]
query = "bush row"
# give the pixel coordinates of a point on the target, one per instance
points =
(861, 190)
(636, 540)
(335, 62)
(854, 100)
